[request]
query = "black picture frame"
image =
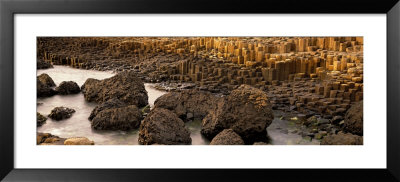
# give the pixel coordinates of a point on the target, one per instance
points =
(9, 8)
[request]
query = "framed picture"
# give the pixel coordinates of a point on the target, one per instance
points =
(134, 90)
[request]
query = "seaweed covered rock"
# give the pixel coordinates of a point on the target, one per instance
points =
(46, 80)
(187, 104)
(40, 119)
(126, 86)
(162, 126)
(353, 121)
(78, 141)
(342, 139)
(68, 87)
(117, 118)
(227, 137)
(60, 113)
(40, 64)
(246, 111)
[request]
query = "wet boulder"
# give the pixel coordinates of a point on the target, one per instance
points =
(112, 103)
(60, 113)
(342, 139)
(227, 137)
(246, 111)
(126, 86)
(46, 80)
(40, 119)
(41, 64)
(187, 104)
(164, 127)
(78, 141)
(43, 90)
(68, 87)
(89, 89)
(117, 118)
(353, 121)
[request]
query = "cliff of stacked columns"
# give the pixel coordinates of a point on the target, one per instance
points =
(307, 74)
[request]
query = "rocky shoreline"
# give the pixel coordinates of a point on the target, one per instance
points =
(319, 89)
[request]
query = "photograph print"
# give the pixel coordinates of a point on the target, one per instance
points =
(199, 91)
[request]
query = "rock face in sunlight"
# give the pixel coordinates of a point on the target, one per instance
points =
(353, 121)
(187, 104)
(68, 87)
(78, 141)
(342, 139)
(227, 137)
(49, 139)
(246, 111)
(60, 113)
(117, 118)
(125, 86)
(164, 127)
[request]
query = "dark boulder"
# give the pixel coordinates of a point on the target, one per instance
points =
(68, 87)
(43, 90)
(90, 91)
(60, 113)
(246, 110)
(112, 103)
(120, 118)
(46, 80)
(126, 86)
(353, 121)
(188, 104)
(342, 139)
(162, 126)
(40, 119)
(227, 137)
